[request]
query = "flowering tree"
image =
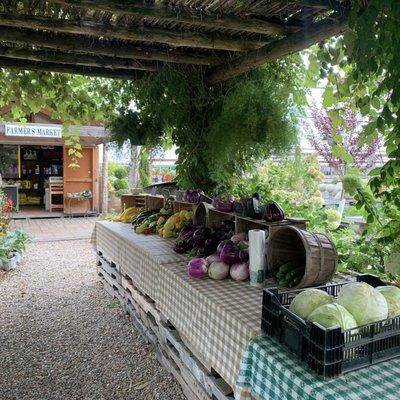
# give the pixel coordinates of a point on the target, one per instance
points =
(6, 206)
(326, 139)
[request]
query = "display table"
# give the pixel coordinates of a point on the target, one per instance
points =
(268, 371)
(217, 319)
(219, 322)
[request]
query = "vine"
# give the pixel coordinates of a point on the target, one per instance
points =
(362, 65)
(220, 131)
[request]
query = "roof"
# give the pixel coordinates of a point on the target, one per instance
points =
(89, 135)
(125, 39)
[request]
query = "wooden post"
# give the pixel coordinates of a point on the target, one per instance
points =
(104, 180)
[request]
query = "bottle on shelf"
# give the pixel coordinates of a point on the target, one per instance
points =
(37, 169)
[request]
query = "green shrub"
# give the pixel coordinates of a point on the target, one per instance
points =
(121, 184)
(121, 172)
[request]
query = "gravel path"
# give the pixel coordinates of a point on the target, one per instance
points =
(62, 337)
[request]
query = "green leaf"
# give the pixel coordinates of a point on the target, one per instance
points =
(375, 102)
(328, 97)
(375, 171)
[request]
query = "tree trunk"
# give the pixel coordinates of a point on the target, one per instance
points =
(134, 168)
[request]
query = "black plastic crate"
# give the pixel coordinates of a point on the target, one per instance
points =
(329, 352)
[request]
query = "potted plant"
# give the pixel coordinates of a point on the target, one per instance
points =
(12, 246)
(19, 239)
(7, 257)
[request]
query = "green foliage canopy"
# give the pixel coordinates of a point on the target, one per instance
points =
(221, 131)
(363, 66)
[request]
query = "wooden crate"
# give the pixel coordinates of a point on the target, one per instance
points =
(133, 200)
(154, 202)
(216, 217)
(182, 205)
(244, 224)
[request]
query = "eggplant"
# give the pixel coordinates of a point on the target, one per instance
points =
(223, 206)
(274, 212)
(252, 207)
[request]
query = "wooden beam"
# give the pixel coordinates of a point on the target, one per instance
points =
(178, 15)
(84, 45)
(323, 4)
(153, 35)
(74, 59)
(290, 44)
(28, 65)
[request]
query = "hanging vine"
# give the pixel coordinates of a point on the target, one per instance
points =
(222, 131)
(362, 66)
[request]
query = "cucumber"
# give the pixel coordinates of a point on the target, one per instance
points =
(296, 280)
(287, 267)
(283, 282)
(277, 265)
(280, 275)
(288, 276)
(297, 272)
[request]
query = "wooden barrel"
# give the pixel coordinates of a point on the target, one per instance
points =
(200, 216)
(291, 243)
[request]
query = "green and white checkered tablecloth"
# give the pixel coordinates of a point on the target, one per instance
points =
(269, 371)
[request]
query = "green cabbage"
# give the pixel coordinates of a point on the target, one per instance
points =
(331, 315)
(362, 301)
(392, 296)
(308, 300)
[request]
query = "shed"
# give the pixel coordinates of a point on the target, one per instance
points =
(40, 171)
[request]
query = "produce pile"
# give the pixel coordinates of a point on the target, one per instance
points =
(217, 253)
(357, 304)
(288, 273)
(162, 221)
(128, 215)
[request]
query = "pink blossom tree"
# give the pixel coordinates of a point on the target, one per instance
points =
(321, 134)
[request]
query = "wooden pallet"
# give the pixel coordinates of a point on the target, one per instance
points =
(211, 383)
(197, 381)
(112, 290)
(137, 321)
(145, 302)
(110, 269)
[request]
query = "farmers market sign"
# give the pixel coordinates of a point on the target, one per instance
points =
(33, 130)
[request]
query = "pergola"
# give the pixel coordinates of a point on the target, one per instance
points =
(126, 39)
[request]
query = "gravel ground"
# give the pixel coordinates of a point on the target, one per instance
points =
(62, 337)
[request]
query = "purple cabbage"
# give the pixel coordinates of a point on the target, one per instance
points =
(230, 253)
(223, 206)
(197, 268)
(213, 258)
(239, 237)
(221, 245)
(192, 196)
(239, 271)
(218, 270)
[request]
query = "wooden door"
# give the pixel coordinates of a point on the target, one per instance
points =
(84, 177)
